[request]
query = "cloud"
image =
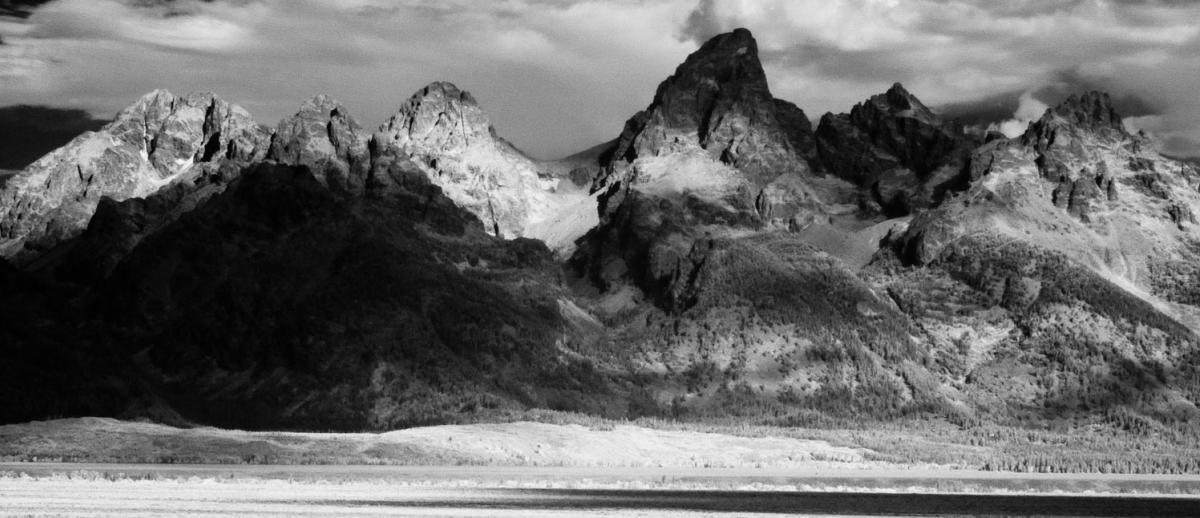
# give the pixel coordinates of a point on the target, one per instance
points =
(561, 75)
(28, 132)
(1028, 110)
(188, 26)
(555, 76)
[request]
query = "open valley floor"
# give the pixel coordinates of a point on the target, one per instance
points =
(28, 489)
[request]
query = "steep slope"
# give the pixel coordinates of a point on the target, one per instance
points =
(450, 137)
(713, 131)
(1079, 184)
(278, 303)
(903, 156)
(148, 145)
(232, 300)
(1077, 236)
(702, 270)
(710, 156)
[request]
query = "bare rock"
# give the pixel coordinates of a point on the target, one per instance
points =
(719, 99)
(451, 138)
(1181, 215)
(324, 137)
(896, 149)
(1065, 137)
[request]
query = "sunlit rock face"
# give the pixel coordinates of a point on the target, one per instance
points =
(448, 135)
(159, 139)
(1078, 184)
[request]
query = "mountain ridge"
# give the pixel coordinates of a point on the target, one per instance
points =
(720, 258)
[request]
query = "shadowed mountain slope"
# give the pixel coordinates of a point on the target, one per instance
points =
(717, 260)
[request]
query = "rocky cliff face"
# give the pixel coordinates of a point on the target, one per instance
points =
(902, 155)
(148, 145)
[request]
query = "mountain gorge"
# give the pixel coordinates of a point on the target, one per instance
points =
(720, 258)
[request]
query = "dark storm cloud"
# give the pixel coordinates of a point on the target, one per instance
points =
(28, 132)
(19, 8)
(992, 109)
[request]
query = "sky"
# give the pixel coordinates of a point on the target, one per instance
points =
(558, 76)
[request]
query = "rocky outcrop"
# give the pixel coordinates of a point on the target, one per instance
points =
(325, 138)
(148, 145)
(799, 131)
(1065, 136)
(1075, 141)
(897, 150)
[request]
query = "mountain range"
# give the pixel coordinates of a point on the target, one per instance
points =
(720, 258)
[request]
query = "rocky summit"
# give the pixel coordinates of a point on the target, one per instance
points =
(718, 259)
(323, 136)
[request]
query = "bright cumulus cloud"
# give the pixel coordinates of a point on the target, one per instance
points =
(562, 75)
(1029, 109)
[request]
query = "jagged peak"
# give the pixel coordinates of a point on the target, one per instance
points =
(159, 103)
(322, 103)
(1093, 109)
(439, 116)
(898, 101)
(720, 94)
(1090, 113)
(732, 56)
(155, 94)
(443, 90)
(322, 106)
(725, 66)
